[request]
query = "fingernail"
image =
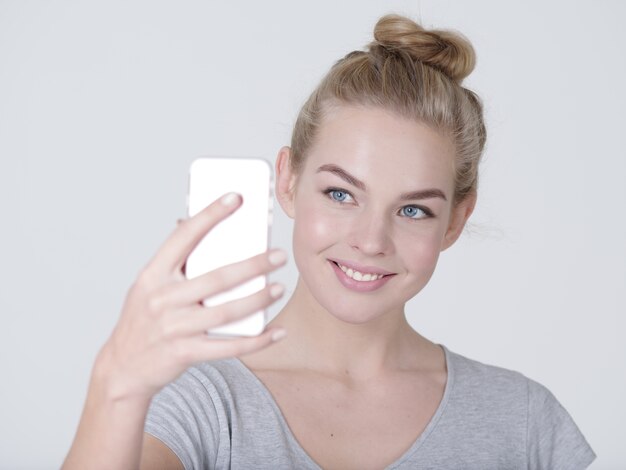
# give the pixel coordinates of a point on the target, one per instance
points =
(278, 334)
(277, 257)
(229, 199)
(277, 290)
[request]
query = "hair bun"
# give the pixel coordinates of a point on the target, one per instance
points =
(448, 51)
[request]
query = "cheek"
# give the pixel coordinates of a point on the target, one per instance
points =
(318, 227)
(420, 254)
(314, 228)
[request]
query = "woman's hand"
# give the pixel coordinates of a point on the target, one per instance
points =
(163, 324)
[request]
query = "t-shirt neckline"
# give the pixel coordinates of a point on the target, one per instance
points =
(413, 448)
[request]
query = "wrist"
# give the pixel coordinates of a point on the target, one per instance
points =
(109, 382)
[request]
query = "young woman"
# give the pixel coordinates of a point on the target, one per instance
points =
(381, 177)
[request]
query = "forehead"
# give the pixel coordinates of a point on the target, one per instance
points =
(377, 145)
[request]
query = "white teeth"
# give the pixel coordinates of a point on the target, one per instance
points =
(357, 276)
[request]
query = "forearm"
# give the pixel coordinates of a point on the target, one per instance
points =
(110, 432)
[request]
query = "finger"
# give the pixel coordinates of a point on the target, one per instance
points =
(192, 291)
(183, 268)
(203, 347)
(173, 253)
(199, 319)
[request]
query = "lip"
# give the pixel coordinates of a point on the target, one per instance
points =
(360, 268)
(357, 286)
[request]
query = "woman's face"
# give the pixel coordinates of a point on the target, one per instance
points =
(375, 193)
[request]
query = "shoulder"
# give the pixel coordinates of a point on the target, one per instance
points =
(471, 368)
(519, 409)
(192, 414)
(217, 385)
(554, 439)
(213, 414)
(207, 378)
(485, 405)
(487, 383)
(220, 375)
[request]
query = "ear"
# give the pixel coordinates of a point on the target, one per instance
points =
(285, 182)
(460, 213)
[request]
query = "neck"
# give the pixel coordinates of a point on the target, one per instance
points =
(319, 341)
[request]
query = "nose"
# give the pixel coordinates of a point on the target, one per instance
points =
(371, 234)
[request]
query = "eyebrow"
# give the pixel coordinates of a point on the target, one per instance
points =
(344, 175)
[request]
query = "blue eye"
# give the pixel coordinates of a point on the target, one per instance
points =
(412, 211)
(337, 195)
(341, 195)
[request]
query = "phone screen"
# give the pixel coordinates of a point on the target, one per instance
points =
(243, 234)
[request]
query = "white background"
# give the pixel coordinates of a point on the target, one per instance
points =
(103, 105)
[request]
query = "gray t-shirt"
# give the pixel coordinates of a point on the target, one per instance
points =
(219, 415)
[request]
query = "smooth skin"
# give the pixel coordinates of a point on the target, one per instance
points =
(160, 333)
(355, 383)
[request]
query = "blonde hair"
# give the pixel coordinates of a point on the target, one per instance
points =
(417, 74)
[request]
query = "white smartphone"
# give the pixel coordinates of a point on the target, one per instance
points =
(243, 234)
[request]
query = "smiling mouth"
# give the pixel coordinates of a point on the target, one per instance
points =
(358, 276)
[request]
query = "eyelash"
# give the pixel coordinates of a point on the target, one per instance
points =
(427, 212)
